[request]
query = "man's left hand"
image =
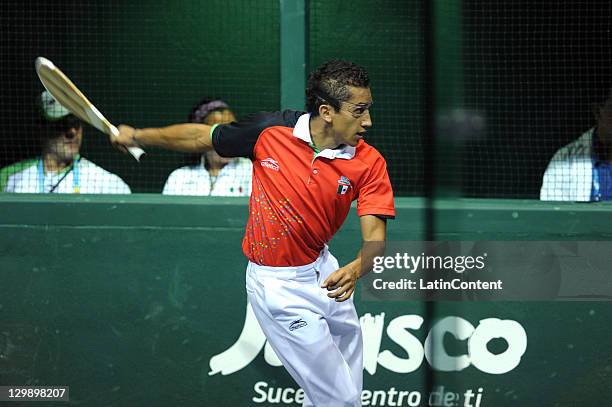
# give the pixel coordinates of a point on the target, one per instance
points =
(341, 283)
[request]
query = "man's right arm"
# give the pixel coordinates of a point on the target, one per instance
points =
(188, 137)
(236, 139)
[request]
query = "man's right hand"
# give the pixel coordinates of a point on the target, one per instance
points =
(126, 138)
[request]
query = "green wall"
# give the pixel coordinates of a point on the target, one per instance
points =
(127, 299)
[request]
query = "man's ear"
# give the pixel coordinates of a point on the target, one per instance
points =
(326, 112)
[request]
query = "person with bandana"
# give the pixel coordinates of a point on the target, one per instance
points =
(210, 174)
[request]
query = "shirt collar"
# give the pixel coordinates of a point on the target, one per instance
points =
(302, 131)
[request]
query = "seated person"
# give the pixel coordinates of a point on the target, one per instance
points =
(582, 170)
(60, 168)
(211, 174)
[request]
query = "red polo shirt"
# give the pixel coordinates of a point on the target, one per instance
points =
(301, 198)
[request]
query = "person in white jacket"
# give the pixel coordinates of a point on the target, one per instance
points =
(582, 170)
(211, 174)
(60, 167)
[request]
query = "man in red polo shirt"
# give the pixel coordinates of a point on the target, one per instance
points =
(307, 169)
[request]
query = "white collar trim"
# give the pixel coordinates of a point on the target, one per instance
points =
(302, 131)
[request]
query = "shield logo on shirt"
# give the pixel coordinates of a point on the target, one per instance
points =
(343, 185)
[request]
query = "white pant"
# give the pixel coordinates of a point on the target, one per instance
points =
(317, 339)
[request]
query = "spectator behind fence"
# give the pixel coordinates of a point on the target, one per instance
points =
(60, 168)
(582, 170)
(211, 174)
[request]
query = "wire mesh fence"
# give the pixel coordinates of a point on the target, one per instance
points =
(531, 74)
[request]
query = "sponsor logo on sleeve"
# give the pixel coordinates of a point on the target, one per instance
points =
(271, 164)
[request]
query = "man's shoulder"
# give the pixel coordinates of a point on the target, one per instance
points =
(580, 147)
(17, 172)
(285, 118)
(90, 165)
(189, 170)
(94, 168)
(238, 139)
(98, 177)
(367, 153)
(18, 167)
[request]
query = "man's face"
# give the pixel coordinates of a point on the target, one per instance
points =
(352, 121)
(604, 123)
(66, 145)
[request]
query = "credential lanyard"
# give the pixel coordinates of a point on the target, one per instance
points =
(76, 184)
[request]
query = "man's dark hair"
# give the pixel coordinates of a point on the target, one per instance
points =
(328, 84)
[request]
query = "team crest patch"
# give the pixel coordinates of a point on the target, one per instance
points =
(270, 163)
(343, 185)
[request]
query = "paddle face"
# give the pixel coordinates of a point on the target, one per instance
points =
(69, 96)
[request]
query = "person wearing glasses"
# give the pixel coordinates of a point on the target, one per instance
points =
(307, 169)
(582, 170)
(60, 168)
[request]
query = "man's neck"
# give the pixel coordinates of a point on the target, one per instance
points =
(53, 163)
(214, 171)
(322, 134)
(213, 167)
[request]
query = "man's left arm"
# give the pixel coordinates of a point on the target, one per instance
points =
(341, 283)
